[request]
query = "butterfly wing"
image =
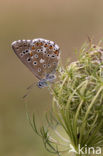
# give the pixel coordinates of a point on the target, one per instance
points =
(22, 50)
(53, 59)
(39, 55)
(48, 55)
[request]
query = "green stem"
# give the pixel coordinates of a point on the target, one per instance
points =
(86, 115)
(77, 113)
(70, 98)
(91, 104)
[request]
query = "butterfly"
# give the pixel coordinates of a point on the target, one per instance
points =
(41, 56)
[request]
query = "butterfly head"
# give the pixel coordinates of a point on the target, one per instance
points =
(44, 82)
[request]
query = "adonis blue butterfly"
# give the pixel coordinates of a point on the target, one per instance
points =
(41, 56)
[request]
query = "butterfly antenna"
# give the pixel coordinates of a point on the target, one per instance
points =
(29, 88)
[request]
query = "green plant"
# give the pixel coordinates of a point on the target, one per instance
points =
(77, 108)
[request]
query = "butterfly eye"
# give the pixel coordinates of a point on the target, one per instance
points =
(35, 63)
(40, 85)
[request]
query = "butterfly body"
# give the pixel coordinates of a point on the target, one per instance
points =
(40, 56)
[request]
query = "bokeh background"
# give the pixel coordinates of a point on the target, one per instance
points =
(68, 22)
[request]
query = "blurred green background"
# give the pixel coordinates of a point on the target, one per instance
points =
(68, 22)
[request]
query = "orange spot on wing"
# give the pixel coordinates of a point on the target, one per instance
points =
(45, 45)
(31, 54)
(37, 44)
(50, 47)
(56, 52)
(41, 43)
(33, 47)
